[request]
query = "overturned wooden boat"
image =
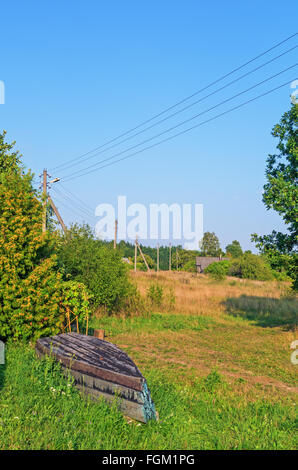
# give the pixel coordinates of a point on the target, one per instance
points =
(101, 369)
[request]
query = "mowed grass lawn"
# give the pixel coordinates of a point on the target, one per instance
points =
(217, 361)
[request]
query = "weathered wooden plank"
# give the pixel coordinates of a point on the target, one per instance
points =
(110, 357)
(128, 408)
(87, 368)
(92, 350)
(106, 387)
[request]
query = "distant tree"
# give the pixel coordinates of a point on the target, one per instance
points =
(250, 266)
(281, 194)
(210, 245)
(234, 249)
(149, 260)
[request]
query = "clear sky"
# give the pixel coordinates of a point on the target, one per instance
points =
(79, 73)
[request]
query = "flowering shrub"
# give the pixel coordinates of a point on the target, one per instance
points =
(33, 295)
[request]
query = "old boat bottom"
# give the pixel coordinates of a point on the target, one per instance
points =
(101, 369)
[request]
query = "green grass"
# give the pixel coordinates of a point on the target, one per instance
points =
(114, 325)
(40, 409)
(265, 311)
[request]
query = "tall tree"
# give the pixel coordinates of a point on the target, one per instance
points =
(234, 249)
(281, 194)
(210, 245)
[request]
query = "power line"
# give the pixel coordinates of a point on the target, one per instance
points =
(75, 209)
(181, 123)
(186, 130)
(178, 103)
(71, 209)
(70, 195)
(179, 111)
(80, 208)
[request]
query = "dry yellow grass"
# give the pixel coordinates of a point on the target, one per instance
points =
(196, 294)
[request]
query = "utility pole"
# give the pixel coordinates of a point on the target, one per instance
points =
(170, 258)
(48, 198)
(58, 215)
(115, 239)
(157, 264)
(136, 254)
(44, 192)
(144, 259)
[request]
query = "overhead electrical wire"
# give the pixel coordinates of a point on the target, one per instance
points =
(69, 195)
(179, 102)
(178, 112)
(185, 130)
(73, 208)
(78, 172)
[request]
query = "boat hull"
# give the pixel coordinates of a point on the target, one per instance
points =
(101, 369)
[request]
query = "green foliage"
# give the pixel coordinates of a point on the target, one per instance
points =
(210, 245)
(251, 266)
(141, 266)
(234, 249)
(155, 294)
(76, 300)
(96, 264)
(33, 296)
(10, 161)
(179, 255)
(281, 194)
(218, 270)
(190, 266)
(30, 293)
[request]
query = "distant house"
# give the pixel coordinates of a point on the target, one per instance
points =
(203, 261)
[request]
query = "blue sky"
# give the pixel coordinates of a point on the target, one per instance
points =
(79, 73)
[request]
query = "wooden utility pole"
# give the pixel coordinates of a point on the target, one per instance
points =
(157, 264)
(144, 259)
(58, 215)
(115, 239)
(170, 258)
(44, 192)
(136, 249)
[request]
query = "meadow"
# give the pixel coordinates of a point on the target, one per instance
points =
(216, 355)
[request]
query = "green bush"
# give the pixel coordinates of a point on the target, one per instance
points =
(190, 266)
(96, 264)
(251, 266)
(218, 270)
(155, 294)
(34, 298)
